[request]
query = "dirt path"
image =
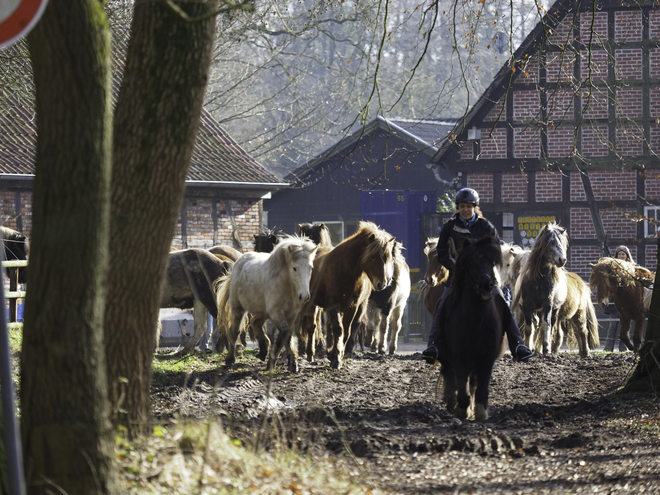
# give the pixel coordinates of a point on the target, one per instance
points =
(555, 425)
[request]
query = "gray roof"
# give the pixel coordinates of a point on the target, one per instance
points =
(216, 160)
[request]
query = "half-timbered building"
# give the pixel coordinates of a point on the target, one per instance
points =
(569, 131)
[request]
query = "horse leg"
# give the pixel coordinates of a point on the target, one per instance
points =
(199, 318)
(483, 377)
(558, 337)
(546, 329)
(237, 315)
(395, 327)
(463, 397)
(624, 331)
(638, 333)
(380, 327)
(257, 326)
(449, 389)
(336, 339)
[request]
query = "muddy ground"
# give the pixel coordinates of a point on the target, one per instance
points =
(556, 424)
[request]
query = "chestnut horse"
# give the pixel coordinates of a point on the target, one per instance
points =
(342, 280)
(626, 283)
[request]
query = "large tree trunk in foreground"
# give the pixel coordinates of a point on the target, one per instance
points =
(156, 123)
(68, 441)
(646, 376)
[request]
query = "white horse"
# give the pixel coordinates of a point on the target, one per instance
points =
(513, 259)
(270, 286)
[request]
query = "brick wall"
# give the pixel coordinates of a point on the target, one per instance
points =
(493, 146)
(629, 103)
(652, 185)
(613, 185)
(629, 139)
(560, 106)
(548, 186)
(628, 64)
(199, 223)
(596, 33)
(595, 140)
(593, 102)
(655, 138)
(529, 71)
(654, 25)
(561, 142)
(654, 101)
(8, 209)
(514, 187)
(617, 225)
(563, 33)
(26, 212)
(526, 142)
(628, 26)
(467, 151)
(582, 226)
(526, 105)
(483, 183)
(494, 113)
(654, 63)
(594, 65)
(560, 66)
(580, 257)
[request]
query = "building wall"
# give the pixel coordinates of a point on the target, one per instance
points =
(203, 229)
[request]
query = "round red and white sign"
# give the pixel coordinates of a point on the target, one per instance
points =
(18, 17)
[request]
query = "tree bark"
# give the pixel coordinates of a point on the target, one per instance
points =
(646, 376)
(66, 432)
(156, 122)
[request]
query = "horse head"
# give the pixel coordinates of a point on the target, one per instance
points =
(378, 255)
(266, 240)
(300, 254)
(476, 266)
(318, 232)
(556, 243)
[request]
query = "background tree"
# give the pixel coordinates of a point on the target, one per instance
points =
(66, 432)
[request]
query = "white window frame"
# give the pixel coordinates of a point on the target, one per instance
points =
(651, 213)
(508, 229)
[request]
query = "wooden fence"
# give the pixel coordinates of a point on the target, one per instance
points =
(13, 293)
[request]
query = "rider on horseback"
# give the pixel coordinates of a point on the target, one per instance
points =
(468, 223)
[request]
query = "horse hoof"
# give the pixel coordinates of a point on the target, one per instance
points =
(262, 355)
(293, 367)
(335, 364)
(481, 413)
(461, 412)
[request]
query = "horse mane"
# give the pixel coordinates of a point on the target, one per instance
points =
(486, 246)
(290, 248)
(431, 244)
(378, 239)
(13, 238)
(538, 253)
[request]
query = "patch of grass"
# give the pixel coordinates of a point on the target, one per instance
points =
(200, 458)
(16, 339)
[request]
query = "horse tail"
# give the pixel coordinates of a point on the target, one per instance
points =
(221, 287)
(593, 339)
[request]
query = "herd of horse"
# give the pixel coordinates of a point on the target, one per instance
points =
(301, 285)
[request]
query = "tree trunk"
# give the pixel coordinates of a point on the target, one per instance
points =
(156, 124)
(67, 437)
(646, 376)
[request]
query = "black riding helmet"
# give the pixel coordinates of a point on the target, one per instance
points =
(467, 195)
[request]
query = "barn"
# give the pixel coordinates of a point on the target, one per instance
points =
(569, 131)
(225, 187)
(381, 172)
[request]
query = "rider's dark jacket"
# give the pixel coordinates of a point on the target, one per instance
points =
(456, 230)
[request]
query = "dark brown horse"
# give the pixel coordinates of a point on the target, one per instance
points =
(189, 281)
(318, 232)
(626, 284)
(433, 285)
(472, 336)
(342, 280)
(266, 240)
(16, 248)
